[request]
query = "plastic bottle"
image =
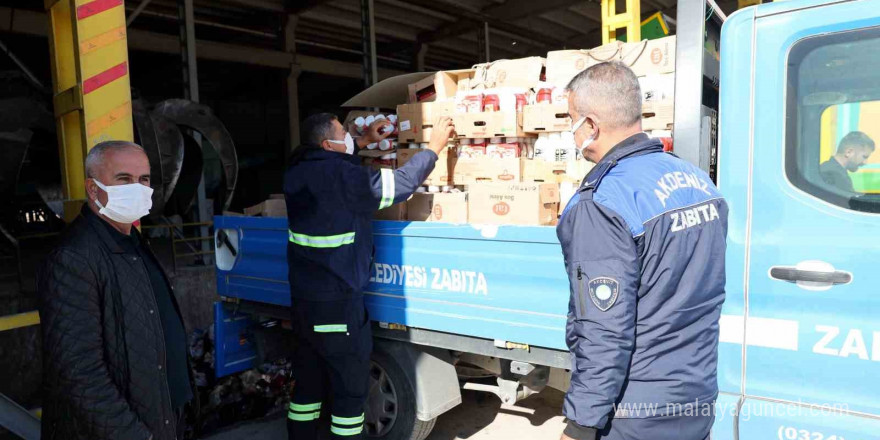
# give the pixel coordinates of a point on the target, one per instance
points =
(385, 144)
(413, 146)
(369, 120)
(360, 124)
(545, 95)
(542, 144)
(423, 145)
(568, 145)
(433, 189)
(557, 147)
(372, 146)
(491, 103)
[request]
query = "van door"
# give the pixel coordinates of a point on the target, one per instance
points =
(812, 335)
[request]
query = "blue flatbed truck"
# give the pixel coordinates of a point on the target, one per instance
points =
(799, 357)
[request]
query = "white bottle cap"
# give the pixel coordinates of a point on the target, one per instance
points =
(369, 120)
(433, 189)
(465, 141)
(385, 145)
(393, 119)
(447, 188)
(423, 145)
(380, 117)
(372, 146)
(390, 156)
(495, 140)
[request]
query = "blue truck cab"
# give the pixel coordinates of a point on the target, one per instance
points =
(799, 351)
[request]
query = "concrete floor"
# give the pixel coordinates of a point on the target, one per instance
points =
(479, 417)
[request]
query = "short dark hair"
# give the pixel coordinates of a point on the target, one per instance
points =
(854, 139)
(318, 127)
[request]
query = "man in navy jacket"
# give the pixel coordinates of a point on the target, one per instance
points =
(331, 199)
(644, 240)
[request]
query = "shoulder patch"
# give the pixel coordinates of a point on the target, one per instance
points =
(604, 292)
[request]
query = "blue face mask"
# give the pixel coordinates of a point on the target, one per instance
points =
(348, 142)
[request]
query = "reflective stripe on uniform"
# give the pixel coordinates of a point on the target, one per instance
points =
(307, 417)
(387, 188)
(346, 432)
(331, 328)
(305, 407)
(348, 420)
(328, 241)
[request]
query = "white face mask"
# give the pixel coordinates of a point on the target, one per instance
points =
(586, 143)
(348, 142)
(126, 203)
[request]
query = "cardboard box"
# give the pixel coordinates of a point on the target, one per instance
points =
(438, 207)
(656, 88)
(396, 211)
(650, 57)
(442, 174)
(415, 122)
(469, 170)
(575, 171)
(513, 203)
(658, 115)
(563, 65)
(539, 118)
(539, 170)
(489, 125)
(521, 73)
(269, 208)
(438, 87)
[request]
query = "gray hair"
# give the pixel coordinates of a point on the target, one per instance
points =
(95, 158)
(611, 91)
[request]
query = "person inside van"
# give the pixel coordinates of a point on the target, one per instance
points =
(852, 152)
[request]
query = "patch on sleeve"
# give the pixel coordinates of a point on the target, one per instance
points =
(604, 292)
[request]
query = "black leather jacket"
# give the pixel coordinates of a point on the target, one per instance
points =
(103, 346)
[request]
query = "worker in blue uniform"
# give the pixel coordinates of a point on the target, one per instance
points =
(644, 240)
(331, 200)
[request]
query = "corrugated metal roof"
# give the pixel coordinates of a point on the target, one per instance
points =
(332, 28)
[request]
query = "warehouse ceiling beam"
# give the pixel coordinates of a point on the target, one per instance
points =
(137, 11)
(35, 23)
(300, 6)
(498, 16)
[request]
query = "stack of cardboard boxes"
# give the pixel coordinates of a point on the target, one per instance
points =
(513, 160)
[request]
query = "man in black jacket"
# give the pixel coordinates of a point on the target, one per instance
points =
(114, 345)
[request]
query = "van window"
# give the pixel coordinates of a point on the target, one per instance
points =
(833, 118)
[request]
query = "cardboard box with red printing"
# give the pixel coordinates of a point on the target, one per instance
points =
(438, 207)
(541, 118)
(513, 203)
(416, 121)
(650, 57)
(442, 174)
(563, 65)
(469, 170)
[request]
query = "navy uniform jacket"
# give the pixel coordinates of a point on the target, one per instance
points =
(644, 240)
(331, 199)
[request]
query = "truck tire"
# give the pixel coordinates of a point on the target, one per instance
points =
(391, 403)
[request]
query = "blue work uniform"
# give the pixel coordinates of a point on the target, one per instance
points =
(644, 241)
(331, 199)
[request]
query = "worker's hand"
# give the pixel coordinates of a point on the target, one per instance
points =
(372, 134)
(443, 130)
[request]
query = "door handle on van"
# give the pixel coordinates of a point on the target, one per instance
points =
(813, 276)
